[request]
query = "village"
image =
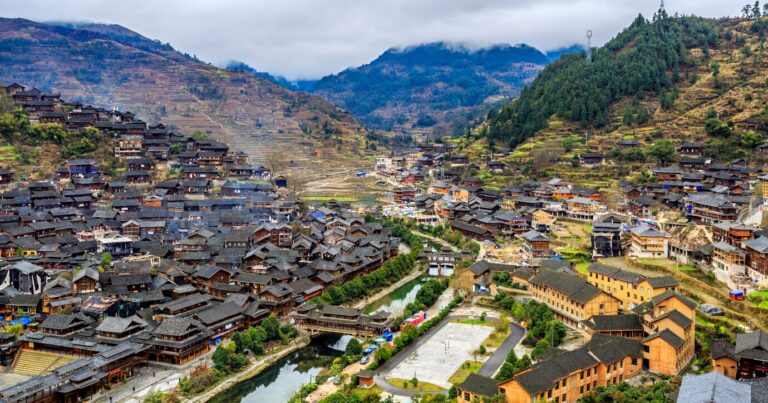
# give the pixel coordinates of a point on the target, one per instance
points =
(107, 279)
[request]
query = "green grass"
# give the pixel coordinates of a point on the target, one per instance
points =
(758, 295)
(9, 154)
(496, 339)
(406, 384)
(361, 393)
(702, 321)
(463, 372)
(473, 321)
(687, 268)
(582, 268)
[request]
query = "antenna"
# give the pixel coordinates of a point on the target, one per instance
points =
(662, 5)
(589, 46)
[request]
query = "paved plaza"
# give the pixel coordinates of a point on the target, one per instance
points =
(439, 357)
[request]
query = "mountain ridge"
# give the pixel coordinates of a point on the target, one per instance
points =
(450, 84)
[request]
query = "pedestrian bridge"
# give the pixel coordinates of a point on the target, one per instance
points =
(340, 320)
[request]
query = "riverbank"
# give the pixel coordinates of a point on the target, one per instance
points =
(361, 304)
(253, 370)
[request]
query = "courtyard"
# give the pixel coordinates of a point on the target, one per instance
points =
(441, 355)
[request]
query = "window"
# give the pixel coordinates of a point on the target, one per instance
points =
(549, 394)
(466, 396)
(564, 382)
(581, 375)
(581, 390)
(647, 349)
(602, 306)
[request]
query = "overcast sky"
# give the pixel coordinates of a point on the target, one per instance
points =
(312, 38)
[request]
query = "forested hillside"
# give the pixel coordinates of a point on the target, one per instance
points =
(649, 58)
(435, 87)
(658, 84)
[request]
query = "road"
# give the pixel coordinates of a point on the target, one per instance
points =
(495, 361)
(490, 367)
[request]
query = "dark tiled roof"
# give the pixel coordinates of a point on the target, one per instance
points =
(669, 337)
(614, 322)
(479, 385)
(721, 348)
(661, 282)
(573, 286)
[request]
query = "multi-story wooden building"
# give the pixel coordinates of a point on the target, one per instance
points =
(582, 208)
(752, 354)
(606, 239)
(568, 376)
(571, 298)
(710, 209)
(757, 259)
(536, 248)
(178, 341)
(728, 261)
(668, 321)
(648, 243)
(732, 233)
(629, 288)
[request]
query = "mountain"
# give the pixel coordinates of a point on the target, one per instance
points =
(555, 54)
(298, 85)
(112, 66)
(279, 80)
(679, 79)
(436, 87)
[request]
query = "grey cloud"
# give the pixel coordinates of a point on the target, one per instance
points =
(312, 38)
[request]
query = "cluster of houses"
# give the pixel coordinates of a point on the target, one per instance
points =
(632, 324)
(132, 270)
(142, 145)
(695, 211)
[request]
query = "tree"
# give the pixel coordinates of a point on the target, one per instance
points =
(751, 139)
(568, 144)
(662, 151)
(643, 116)
(628, 116)
(667, 100)
(746, 11)
(717, 128)
(353, 348)
(272, 327)
(106, 259)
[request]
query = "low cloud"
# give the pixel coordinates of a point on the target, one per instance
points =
(313, 38)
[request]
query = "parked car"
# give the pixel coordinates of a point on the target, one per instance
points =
(711, 310)
(370, 349)
(365, 359)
